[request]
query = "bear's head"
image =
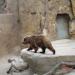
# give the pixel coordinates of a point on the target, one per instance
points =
(26, 40)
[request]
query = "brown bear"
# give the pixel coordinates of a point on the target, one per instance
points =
(38, 41)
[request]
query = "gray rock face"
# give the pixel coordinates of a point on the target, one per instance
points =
(18, 66)
(44, 64)
(38, 63)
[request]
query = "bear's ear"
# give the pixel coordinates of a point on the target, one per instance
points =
(25, 39)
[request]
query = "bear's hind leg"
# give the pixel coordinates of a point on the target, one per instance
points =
(52, 49)
(43, 50)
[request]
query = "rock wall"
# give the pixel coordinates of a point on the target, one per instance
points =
(34, 15)
(9, 29)
(38, 14)
(30, 16)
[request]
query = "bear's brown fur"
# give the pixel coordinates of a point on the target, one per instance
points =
(38, 41)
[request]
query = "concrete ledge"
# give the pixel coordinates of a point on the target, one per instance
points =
(42, 63)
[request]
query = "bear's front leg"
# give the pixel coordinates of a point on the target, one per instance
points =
(43, 50)
(30, 48)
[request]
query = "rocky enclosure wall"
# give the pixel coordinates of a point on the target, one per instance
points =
(37, 14)
(34, 15)
(9, 29)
